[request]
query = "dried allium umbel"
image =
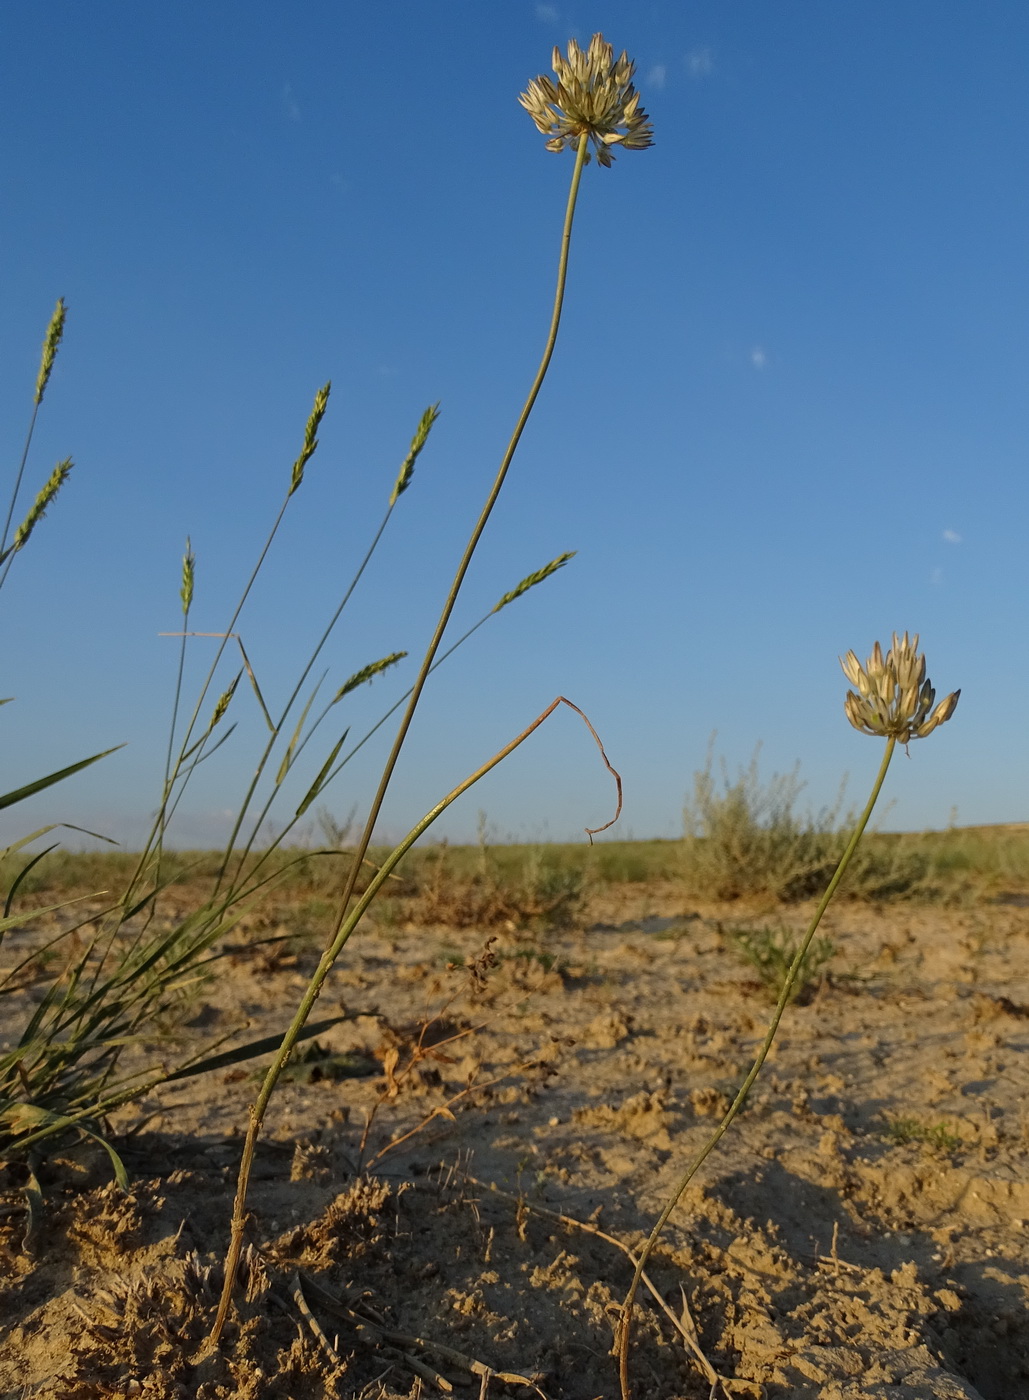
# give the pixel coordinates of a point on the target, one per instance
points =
(893, 698)
(593, 94)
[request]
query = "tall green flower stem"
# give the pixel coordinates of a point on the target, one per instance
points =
(346, 921)
(625, 1320)
(325, 965)
(476, 535)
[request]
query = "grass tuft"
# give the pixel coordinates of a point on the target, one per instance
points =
(520, 888)
(937, 1136)
(770, 952)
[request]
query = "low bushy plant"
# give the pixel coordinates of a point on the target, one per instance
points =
(745, 838)
(770, 952)
(536, 891)
(936, 1136)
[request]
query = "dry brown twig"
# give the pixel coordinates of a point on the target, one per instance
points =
(378, 1334)
(445, 1110)
(312, 1322)
(685, 1325)
(477, 968)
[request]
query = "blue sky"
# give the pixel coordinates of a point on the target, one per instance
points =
(787, 413)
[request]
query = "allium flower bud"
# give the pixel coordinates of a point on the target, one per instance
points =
(593, 94)
(893, 698)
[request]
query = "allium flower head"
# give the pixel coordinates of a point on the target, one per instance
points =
(893, 696)
(593, 94)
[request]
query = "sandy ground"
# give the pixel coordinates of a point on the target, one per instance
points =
(476, 1244)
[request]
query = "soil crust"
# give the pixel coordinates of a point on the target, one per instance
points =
(452, 1176)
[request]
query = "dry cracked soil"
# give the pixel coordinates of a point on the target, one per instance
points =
(453, 1176)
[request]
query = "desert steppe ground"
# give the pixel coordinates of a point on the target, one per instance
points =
(862, 1230)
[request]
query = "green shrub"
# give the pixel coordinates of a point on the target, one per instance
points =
(743, 838)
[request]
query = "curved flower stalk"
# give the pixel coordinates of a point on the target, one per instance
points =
(894, 701)
(594, 100)
(593, 97)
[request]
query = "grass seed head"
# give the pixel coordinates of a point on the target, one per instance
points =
(893, 696)
(321, 402)
(367, 673)
(224, 701)
(53, 339)
(531, 580)
(419, 440)
(188, 577)
(56, 480)
(594, 94)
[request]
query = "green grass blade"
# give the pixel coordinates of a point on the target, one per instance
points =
(52, 826)
(287, 758)
(256, 688)
(17, 881)
(24, 1116)
(13, 920)
(250, 1051)
(323, 773)
(30, 789)
(27, 840)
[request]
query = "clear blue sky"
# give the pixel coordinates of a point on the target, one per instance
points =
(787, 413)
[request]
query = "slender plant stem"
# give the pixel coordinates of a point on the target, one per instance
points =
(176, 701)
(161, 820)
(347, 922)
(168, 768)
(625, 1320)
(244, 808)
(314, 987)
(466, 558)
(18, 479)
(406, 695)
(245, 889)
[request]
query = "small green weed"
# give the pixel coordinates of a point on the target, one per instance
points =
(770, 952)
(937, 1136)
